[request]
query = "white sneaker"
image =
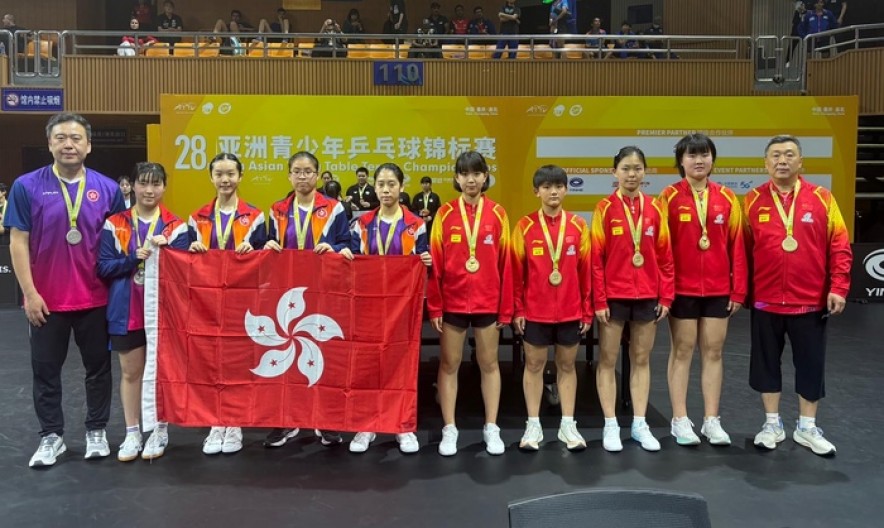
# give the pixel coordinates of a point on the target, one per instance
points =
(96, 444)
(408, 443)
(770, 435)
(683, 431)
(493, 443)
(214, 442)
(611, 438)
(713, 432)
(232, 440)
(156, 445)
(569, 434)
(47, 452)
(813, 438)
(130, 448)
(532, 437)
(642, 435)
(448, 445)
(361, 441)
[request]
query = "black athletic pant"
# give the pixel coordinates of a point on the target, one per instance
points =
(49, 349)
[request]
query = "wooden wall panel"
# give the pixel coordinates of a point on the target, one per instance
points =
(857, 72)
(705, 17)
(133, 85)
(44, 14)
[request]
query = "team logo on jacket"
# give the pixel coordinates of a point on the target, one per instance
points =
(650, 231)
(244, 220)
(263, 331)
(489, 240)
(321, 213)
(807, 218)
(410, 231)
(92, 195)
(571, 251)
(719, 219)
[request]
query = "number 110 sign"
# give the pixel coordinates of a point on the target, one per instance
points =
(398, 73)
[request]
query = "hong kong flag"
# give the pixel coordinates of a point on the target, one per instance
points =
(289, 339)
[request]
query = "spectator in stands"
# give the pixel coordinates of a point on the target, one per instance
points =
(559, 18)
(594, 43)
(509, 17)
(397, 23)
(817, 21)
(169, 21)
(625, 45)
(353, 24)
(21, 41)
(797, 21)
(131, 45)
(330, 43)
(459, 24)
(282, 25)
(237, 24)
(361, 196)
(837, 8)
(437, 20)
(657, 29)
(480, 25)
(143, 11)
(427, 46)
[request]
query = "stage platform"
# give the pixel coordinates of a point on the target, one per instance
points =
(306, 484)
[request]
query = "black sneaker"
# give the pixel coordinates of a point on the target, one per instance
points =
(280, 437)
(329, 438)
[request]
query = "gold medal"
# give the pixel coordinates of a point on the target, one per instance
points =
(555, 278)
(635, 228)
(73, 236)
(704, 242)
(790, 244)
(472, 232)
(701, 202)
(638, 260)
(555, 251)
(139, 277)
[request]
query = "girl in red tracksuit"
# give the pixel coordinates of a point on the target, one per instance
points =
(551, 282)
(706, 227)
(128, 239)
(226, 223)
(470, 285)
(632, 282)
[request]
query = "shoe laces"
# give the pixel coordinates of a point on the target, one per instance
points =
(816, 432)
(48, 442)
(131, 441)
(216, 434)
(570, 430)
(771, 428)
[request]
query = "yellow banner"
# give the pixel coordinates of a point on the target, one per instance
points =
(424, 135)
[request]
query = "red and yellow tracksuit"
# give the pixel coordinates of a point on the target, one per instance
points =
(535, 298)
(720, 270)
(451, 287)
(613, 274)
(786, 282)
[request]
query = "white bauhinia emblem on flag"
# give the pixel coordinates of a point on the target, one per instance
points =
(263, 330)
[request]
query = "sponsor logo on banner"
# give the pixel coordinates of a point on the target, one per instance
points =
(208, 107)
(559, 110)
(575, 184)
(185, 108)
(575, 110)
(224, 108)
(874, 264)
(867, 273)
(537, 110)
